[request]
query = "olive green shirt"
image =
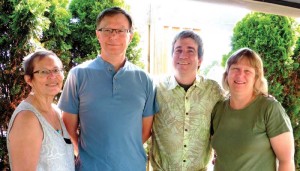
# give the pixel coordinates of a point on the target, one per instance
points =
(181, 129)
(242, 137)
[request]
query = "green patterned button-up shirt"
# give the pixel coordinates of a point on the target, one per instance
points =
(181, 129)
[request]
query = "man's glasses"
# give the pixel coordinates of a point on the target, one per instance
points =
(47, 72)
(109, 31)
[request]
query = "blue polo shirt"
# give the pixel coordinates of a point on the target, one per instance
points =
(111, 106)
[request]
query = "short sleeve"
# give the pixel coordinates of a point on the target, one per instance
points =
(277, 121)
(151, 105)
(69, 99)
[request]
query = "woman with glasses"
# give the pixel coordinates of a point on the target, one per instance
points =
(251, 130)
(37, 138)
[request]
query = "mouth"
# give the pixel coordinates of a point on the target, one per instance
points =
(183, 63)
(52, 84)
(239, 82)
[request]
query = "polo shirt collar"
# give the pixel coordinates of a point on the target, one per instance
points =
(99, 58)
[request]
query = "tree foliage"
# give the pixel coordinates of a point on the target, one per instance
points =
(26, 25)
(274, 38)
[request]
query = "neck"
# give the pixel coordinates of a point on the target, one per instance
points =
(185, 80)
(43, 104)
(116, 61)
(240, 102)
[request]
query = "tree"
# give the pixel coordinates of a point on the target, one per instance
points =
(274, 38)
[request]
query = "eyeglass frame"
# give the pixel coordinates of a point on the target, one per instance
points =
(55, 71)
(117, 31)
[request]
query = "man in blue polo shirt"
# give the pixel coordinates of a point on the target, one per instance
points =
(112, 100)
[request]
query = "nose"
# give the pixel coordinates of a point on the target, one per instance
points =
(51, 74)
(240, 73)
(113, 33)
(183, 55)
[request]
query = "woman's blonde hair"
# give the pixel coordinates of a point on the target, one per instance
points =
(260, 85)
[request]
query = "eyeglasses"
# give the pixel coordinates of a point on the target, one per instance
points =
(47, 72)
(109, 31)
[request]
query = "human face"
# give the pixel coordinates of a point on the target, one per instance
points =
(46, 85)
(241, 78)
(185, 57)
(114, 44)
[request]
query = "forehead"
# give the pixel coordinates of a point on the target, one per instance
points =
(243, 62)
(47, 60)
(115, 20)
(185, 43)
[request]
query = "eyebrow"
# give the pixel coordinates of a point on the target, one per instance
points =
(189, 47)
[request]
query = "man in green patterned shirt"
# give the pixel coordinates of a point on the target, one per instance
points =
(181, 129)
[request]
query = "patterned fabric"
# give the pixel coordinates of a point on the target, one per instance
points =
(56, 154)
(181, 129)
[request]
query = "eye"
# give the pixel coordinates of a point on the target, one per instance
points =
(191, 52)
(248, 71)
(234, 69)
(178, 51)
(120, 31)
(107, 30)
(44, 72)
(56, 71)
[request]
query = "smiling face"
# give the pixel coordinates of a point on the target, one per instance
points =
(241, 78)
(185, 58)
(114, 44)
(46, 85)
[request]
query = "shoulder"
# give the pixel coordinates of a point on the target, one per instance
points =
(270, 107)
(27, 117)
(82, 66)
(211, 86)
(268, 101)
(208, 82)
(131, 68)
(221, 104)
(25, 120)
(165, 81)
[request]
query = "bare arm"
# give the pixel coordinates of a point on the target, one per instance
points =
(71, 122)
(147, 126)
(283, 146)
(25, 139)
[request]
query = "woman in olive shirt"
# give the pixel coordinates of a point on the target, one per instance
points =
(250, 129)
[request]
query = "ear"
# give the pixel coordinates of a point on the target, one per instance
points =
(199, 62)
(97, 35)
(28, 80)
(131, 37)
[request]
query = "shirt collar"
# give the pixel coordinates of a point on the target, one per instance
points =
(110, 65)
(172, 83)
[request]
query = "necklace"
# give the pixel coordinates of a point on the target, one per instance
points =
(59, 131)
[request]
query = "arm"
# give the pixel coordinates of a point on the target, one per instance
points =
(25, 139)
(283, 146)
(71, 122)
(147, 126)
